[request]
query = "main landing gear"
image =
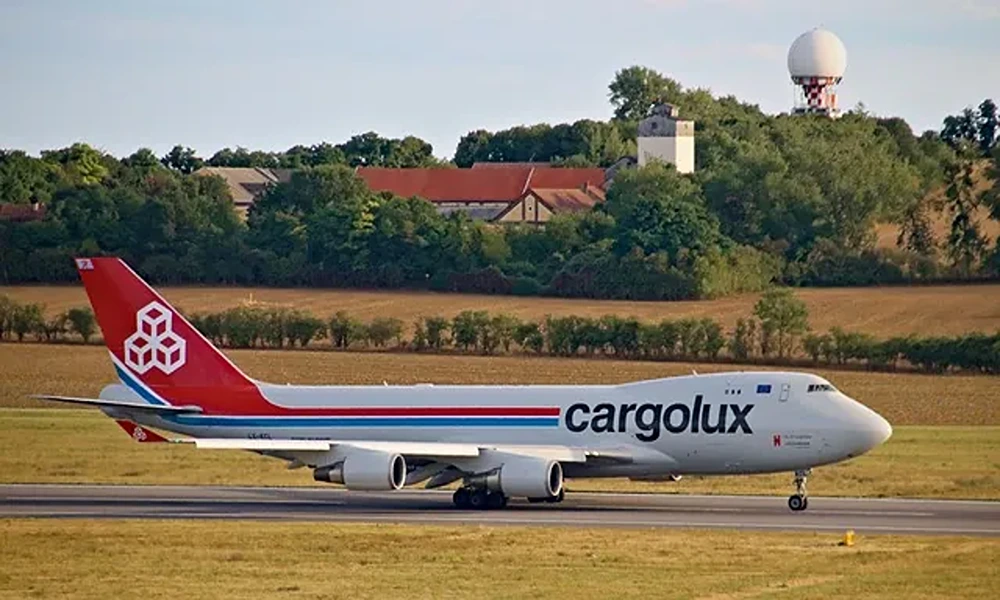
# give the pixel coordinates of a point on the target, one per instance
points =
(467, 497)
(478, 499)
(799, 500)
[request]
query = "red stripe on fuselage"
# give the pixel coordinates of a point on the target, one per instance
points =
(250, 401)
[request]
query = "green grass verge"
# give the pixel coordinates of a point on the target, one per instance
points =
(84, 446)
(223, 559)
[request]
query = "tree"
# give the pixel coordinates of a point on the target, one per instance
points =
(7, 308)
(82, 322)
(24, 179)
(782, 316)
(437, 331)
(636, 89)
(27, 318)
(54, 328)
(302, 328)
(384, 329)
(528, 335)
(182, 159)
(743, 339)
(987, 125)
(960, 128)
(344, 330)
(966, 243)
(467, 328)
(80, 163)
(656, 209)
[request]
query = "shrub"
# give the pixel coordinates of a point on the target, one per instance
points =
(27, 318)
(385, 329)
(54, 328)
(499, 332)
(303, 328)
(467, 328)
(743, 340)
(437, 331)
(714, 339)
(344, 330)
(7, 308)
(529, 337)
(244, 326)
(82, 322)
(783, 318)
(419, 335)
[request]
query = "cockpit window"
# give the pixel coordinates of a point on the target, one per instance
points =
(820, 387)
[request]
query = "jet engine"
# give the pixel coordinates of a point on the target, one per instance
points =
(523, 476)
(366, 470)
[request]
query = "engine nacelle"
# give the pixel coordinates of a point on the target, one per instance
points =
(366, 470)
(523, 476)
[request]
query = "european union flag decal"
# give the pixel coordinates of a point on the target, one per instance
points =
(763, 388)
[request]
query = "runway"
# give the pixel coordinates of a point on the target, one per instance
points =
(434, 507)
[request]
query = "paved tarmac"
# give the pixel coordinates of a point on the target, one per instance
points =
(434, 507)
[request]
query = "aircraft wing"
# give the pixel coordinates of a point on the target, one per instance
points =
(444, 452)
(162, 409)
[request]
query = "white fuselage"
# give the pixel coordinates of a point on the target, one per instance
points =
(725, 423)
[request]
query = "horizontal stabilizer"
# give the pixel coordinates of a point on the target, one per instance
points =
(139, 433)
(102, 403)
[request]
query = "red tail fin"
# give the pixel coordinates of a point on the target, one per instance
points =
(157, 353)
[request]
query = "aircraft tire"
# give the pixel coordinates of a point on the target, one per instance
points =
(479, 499)
(461, 498)
(496, 500)
(797, 502)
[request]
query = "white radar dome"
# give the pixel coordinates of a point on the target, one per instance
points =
(817, 53)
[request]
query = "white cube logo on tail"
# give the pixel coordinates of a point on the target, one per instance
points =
(154, 343)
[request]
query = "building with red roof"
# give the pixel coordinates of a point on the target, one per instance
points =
(503, 193)
(496, 192)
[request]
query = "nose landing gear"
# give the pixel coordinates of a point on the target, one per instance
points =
(799, 500)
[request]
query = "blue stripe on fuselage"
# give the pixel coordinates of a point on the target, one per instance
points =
(278, 422)
(133, 385)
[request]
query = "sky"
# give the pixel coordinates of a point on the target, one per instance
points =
(263, 74)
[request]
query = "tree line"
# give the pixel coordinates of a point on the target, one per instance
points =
(776, 333)
(775, 198)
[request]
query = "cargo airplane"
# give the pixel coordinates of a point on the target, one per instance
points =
(498, 441)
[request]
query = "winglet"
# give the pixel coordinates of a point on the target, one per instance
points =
(139, 433)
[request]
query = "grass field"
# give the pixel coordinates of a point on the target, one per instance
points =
(207, 560)
(947, 440)
(883, 312)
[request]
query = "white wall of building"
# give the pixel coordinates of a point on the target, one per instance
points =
(678, 151)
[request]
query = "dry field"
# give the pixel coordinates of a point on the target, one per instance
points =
(207, 560)
(903, 398)
(883, 312)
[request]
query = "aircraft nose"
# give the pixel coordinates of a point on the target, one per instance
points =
(873, 430)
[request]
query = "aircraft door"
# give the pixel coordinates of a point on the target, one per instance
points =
(786, 390)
